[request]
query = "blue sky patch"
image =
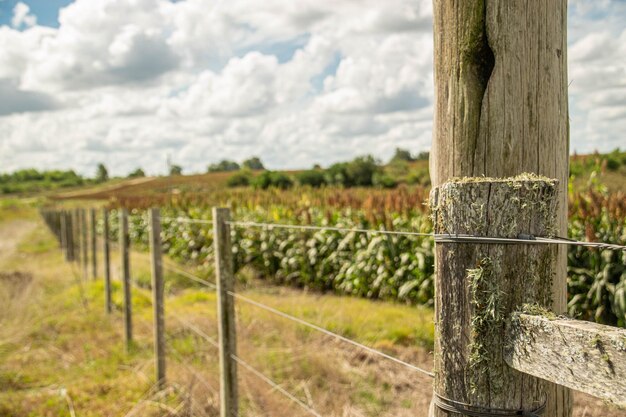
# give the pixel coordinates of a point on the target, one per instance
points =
(47, 11)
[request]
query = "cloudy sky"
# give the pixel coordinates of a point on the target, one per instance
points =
(296, 82)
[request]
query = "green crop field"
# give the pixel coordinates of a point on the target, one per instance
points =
(398, 268)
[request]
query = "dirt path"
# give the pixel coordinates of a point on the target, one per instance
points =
(11, 234)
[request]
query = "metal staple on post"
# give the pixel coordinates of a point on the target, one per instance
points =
(106, 259)
(157, 296)
(124, 254)
(225, 278)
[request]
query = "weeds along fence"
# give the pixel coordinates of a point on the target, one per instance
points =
(486, 337)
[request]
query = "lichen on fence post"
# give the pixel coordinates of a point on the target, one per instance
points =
(478, 285)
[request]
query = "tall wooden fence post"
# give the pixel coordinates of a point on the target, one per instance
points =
(480, 284)
(106, 260)
(157, 296)
(70, 236)
(63, 232)
(84, 242)
(225, 279)
(125, 257)
(501, 106)
(94, 245)
(76, 238)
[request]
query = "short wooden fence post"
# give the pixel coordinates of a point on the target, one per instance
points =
(94, 245)
(106, 260)
(125, 257)
(225, 279)
(157, 296)
(479, 285)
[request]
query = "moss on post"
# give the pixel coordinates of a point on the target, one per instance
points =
(479, 285)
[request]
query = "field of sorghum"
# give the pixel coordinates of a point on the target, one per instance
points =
(375, 266)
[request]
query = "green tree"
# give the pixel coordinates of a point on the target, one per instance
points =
(253, 164)
(402, 155)
(356, 173)
(223, 166)
(361, 171)
(314, 178)
(337, 174)
(240, 179)
(137, 173)
(269, 179)
(383, 180)
(102, 174)
(176, 170)
(423, 156)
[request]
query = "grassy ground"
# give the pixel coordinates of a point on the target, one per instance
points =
(60, 352)
(61, 355)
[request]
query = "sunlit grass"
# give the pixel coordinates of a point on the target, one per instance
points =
(60, 344)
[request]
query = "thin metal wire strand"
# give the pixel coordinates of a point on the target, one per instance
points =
(196, 330)
(187, 220)
(246, 365)
(531, 240)
(322, 228)
(439, 237)
(188, 366)
(189, 275)
(275, 386)
(329, 333)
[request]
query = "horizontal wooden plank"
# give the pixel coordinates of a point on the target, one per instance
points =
(585, 356)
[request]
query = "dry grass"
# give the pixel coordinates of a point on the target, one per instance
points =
(60, 354)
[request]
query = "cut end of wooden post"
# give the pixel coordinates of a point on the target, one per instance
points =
(524, 204)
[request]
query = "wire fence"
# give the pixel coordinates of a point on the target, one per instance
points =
(438, 238)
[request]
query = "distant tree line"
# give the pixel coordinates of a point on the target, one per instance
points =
(252, 164)
(32, 180)
(363, 171)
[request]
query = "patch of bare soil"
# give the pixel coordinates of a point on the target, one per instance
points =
(15, 283)
(11, 233)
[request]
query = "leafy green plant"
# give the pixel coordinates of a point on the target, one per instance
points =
(240, 179)
(394, 267)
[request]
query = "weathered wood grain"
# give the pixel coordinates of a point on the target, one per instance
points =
(225, 280)
(585, 356)
(480, 285)
(63, 233)
(84, 243)
(94, 243)
(501, 106)
(76, 236)
(125, 258)
(106, 260)
(158, 306)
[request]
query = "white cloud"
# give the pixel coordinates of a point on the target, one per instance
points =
(127, 82)
(16, 100)
(22, 16)
(598, 88)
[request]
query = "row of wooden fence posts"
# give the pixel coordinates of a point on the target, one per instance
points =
(70, 228)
